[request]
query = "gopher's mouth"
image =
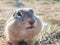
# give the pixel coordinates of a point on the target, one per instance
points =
(30, 27)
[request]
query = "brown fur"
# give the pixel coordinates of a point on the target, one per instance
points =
(16, 31)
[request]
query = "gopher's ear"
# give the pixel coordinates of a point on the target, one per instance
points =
(22, 12)
(31, 11)
(18, 13)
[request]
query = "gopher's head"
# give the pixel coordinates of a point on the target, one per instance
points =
(25, 16)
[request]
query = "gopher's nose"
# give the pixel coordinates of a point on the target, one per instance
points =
(32, 21)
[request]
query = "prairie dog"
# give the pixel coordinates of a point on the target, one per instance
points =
(23, 25)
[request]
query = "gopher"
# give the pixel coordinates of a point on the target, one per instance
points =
(23, 26)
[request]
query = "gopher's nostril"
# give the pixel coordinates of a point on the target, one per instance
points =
(31, 22)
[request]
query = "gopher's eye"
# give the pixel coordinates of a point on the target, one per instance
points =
(19, 14)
